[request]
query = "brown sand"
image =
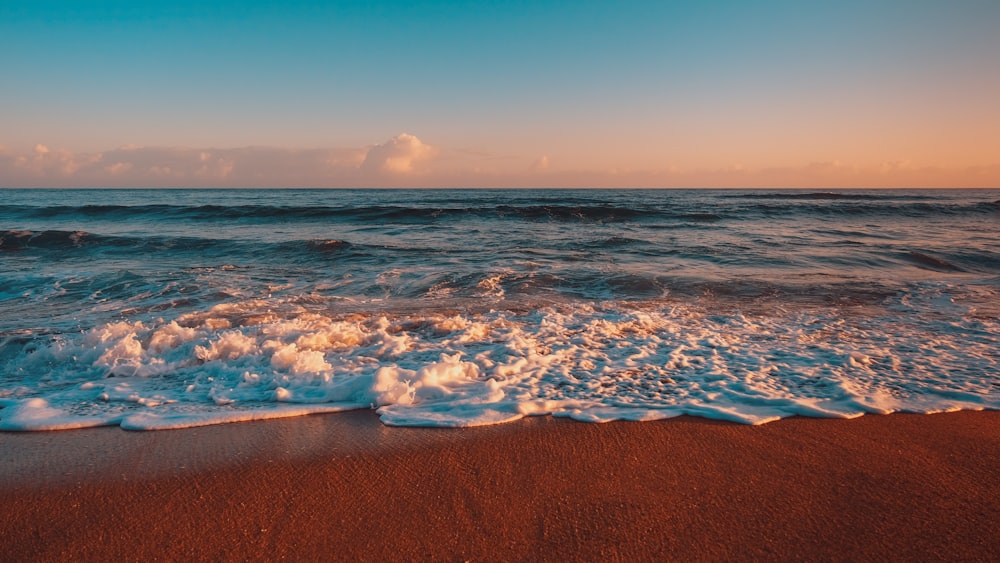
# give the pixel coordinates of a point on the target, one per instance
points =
(345, 487)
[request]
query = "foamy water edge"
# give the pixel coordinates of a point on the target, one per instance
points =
(594, 362)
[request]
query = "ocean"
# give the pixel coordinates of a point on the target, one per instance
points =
(154, 309)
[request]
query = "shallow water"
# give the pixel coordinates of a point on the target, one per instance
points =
(170, 308)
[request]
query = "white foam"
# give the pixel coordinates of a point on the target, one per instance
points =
(245, 361)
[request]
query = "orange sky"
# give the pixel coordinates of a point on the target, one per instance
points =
(643, 94)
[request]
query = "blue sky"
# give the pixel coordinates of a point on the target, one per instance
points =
(511, 89)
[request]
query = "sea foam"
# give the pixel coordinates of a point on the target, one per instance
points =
(591, 362)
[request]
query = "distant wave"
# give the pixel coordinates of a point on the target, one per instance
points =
(595, 212)
(844, 195)
(56, 240)
(728, 207)
(198, 249)
(872, 208)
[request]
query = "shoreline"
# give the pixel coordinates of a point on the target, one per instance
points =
(343, 485)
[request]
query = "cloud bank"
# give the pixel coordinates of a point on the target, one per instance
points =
(407, 161)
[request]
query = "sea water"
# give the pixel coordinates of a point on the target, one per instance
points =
(170, 308)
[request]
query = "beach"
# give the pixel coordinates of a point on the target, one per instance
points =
(344, 486)
(455, 281)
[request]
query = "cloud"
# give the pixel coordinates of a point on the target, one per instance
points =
(398, 155)
(402, 161)
(182, 167)
(407, 161)
(47, 162)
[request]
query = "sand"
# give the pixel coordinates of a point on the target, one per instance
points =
(344, 487)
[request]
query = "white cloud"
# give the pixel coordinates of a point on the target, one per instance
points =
(398, 155)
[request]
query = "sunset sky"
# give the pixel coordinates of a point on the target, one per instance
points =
(852, 93)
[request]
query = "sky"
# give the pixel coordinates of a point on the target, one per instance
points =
(715, 93)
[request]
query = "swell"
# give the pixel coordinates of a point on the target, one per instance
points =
(839, 195)
(20, 239)
(956, 261)
(26, 241)
(722, 207)
(596, 212)
(870, 208)
(83, 243)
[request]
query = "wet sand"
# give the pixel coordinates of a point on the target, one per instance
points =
(342, 486)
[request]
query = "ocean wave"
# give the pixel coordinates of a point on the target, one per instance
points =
(954, 260)
(924, 260)
(245, 360)
(177, 246)
(20, 240)
(23, 240)
(838, 195)
(851, 208)
(726, 207)
(598, 212)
